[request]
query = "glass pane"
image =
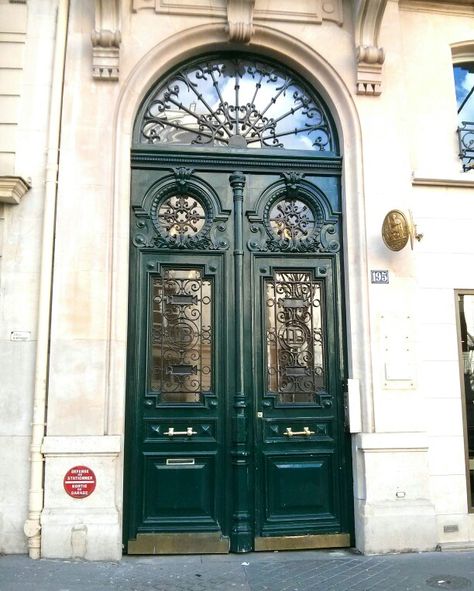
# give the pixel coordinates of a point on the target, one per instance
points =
(466, 316)
(181, 335)
(464, 84)
(238, 102)
(294, 334)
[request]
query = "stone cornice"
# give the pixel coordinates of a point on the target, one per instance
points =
(458, 7)
(12, 189)
(368, 15)
(436, 182)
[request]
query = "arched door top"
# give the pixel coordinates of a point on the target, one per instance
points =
(237, 101)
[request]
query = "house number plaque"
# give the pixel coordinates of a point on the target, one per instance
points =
(379, 276)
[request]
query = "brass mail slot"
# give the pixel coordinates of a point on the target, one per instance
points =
(180, 461)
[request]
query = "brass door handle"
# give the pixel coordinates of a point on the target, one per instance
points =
(189, 432)
(290, 433)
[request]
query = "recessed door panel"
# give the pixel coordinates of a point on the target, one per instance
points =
(312, 477)
(180, 490)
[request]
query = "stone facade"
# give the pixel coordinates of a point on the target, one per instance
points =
(384, 69)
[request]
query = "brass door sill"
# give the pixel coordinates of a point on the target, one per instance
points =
(189, 543)
(302, 542)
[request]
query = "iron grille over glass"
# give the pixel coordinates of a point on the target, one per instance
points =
(181, 335)
(236, 102)
(294, 334)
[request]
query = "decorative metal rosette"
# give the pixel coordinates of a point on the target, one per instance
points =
(182, 219)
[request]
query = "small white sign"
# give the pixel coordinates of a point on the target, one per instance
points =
(20, 335)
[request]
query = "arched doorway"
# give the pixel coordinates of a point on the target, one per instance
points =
(236, 362)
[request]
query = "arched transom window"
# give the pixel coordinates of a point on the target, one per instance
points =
(238, 102)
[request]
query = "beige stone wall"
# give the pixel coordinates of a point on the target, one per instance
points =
(441, 198)
(12, 52)
(26, 55)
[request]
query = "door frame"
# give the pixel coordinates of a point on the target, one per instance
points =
(321, 75)
(169, 157)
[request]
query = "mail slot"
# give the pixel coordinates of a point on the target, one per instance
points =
(180, 461)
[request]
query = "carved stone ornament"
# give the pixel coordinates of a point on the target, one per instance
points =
(12, 189)
(240, 20)
(106, 40)
(370, 57)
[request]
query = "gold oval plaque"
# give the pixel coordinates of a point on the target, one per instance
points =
(395, 230)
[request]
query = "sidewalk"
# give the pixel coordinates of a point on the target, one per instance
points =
(270, 571)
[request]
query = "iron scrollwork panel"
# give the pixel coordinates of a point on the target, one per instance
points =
(180, 212)
(295, 342)
(293, 216)
(181, 335)
(235, 101)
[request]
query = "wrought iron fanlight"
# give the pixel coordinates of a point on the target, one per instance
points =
(237, 102)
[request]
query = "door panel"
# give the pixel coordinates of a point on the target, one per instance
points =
(298, 489)
(235, 418)
(180, 489)
(179, 416)
(299, 449)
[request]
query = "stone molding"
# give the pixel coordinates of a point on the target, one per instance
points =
(12, 189)
(434, 182)
(392, 442)
(106, 38)
(90, 445)
(320, 74)
(278, 10)
(454, 7)
(368, 15)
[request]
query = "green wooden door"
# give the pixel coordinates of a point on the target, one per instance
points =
(235, 430)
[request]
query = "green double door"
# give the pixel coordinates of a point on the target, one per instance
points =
(235, 422)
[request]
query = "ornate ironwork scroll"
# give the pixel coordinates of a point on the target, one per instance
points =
(293, 219)
(181, 335)
(466, 144)
(238, 102)
(180, 213)
(294, 338)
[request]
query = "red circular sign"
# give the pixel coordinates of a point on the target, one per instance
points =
(79, 482)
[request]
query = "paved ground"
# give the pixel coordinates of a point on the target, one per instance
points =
(269, 571)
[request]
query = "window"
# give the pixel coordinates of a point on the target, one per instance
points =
(464, 84)
(466, 358)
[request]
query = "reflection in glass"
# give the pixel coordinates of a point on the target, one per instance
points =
(464, 84)
(181, 335)
(295, 366)
(238, 102)
(466, 318)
